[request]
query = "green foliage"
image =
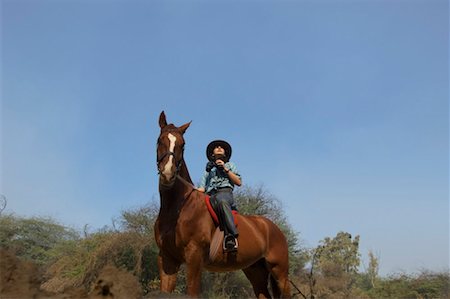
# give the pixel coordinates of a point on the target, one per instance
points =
(334, 267)
(226, 285)
(141, 219)
(34, 238)
(336, 275)
(339, 255)
(81, 264)
(369, 279)
(372, 272)
(423, 285)
(72, 261)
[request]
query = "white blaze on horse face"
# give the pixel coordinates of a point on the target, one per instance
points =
(167, 172)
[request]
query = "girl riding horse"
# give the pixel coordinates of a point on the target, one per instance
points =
(184, 230)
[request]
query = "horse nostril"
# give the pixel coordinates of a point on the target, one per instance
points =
(169, 178)
(166, 177)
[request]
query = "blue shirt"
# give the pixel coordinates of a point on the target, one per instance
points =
(216, 178)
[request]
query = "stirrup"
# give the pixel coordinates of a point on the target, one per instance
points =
(224, 245)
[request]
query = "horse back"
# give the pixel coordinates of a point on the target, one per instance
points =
(258, 238)
(263, 229)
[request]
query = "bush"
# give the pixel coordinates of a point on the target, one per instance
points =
(34, 238)
(132, 249)
(423, 285)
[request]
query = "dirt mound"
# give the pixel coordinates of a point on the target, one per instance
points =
(117, 284)
(18, 279)
(22, 279)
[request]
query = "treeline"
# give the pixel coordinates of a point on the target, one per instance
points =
(69, 259)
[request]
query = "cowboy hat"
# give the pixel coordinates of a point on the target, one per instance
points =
(223, 144)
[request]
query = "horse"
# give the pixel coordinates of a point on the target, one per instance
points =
(184, 230)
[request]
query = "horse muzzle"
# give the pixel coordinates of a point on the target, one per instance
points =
(167, 181)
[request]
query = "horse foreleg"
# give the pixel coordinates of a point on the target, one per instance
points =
(168, 270)
(194, 264)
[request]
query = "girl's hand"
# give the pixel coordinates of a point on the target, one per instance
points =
(220, 163)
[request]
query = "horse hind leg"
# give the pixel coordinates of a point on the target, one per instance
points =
(274, 286)
(281, 288)
(277, 260)
(279, 282)
(258, 274)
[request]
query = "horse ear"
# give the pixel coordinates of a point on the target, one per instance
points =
(184, 127)
(162, 120)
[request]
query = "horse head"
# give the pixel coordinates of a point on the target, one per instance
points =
(169, 151)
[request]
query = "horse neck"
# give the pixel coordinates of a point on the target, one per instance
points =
(174, 198)
(184, 172)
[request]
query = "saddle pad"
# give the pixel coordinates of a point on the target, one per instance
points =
(214, 215)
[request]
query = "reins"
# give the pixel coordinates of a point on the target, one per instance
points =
(298, 290)
(187, 183)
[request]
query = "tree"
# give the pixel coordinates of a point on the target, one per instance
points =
(335, 262)
(141, 219)
(368, 280)
(340, 251)
(372, 272)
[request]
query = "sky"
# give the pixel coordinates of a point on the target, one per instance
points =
(340, 109)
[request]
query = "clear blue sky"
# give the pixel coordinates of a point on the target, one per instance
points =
(339, 108)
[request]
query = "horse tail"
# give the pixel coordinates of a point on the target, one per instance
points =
(276, 292)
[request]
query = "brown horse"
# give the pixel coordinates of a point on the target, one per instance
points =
(184, 230)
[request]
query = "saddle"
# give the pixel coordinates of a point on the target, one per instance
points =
(214, 215)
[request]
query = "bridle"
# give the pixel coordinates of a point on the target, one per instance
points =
(178, 166)
(168, 153)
